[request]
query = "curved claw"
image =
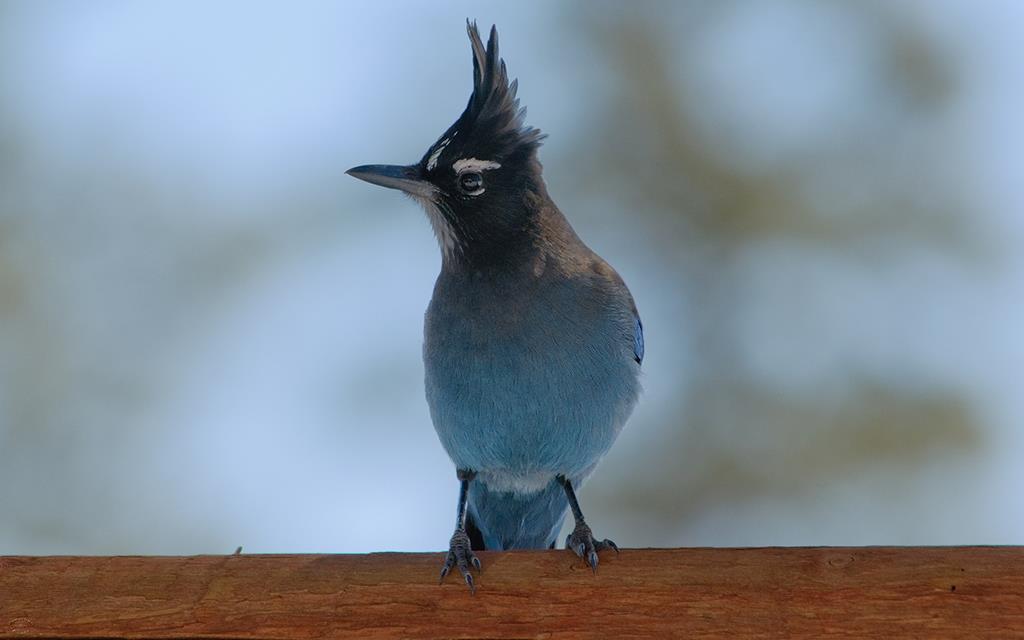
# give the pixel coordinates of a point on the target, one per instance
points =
(582, 543)
(460, 554)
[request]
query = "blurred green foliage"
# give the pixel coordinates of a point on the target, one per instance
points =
(655, 156)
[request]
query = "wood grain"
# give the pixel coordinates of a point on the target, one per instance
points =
(963, 592)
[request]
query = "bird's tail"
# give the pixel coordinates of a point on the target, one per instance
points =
(476, 537)
(499, 520)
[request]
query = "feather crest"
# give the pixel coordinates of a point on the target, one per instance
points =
(493, 108)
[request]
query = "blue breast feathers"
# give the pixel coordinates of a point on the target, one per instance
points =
(638, 341)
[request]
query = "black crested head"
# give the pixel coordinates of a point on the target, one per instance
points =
(480, 183)
(484, 168)
(493, 124)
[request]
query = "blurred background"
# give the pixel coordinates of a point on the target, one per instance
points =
(210, 336)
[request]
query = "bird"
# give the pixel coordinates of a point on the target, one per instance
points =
(532, 344)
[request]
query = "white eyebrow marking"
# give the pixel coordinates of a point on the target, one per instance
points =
(472, 164)
(432, 160)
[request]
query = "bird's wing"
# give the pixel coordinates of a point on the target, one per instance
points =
(638, 341)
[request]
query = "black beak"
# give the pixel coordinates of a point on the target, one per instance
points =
(405, 179)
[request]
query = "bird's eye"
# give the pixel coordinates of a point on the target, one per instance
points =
(471, 183)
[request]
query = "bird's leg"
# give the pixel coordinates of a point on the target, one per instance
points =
(460, 552)
(581, 540)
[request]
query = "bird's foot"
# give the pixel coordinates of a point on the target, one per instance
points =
(460, 554)
(582, 542)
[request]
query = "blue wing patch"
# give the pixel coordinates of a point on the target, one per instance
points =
(638, 341)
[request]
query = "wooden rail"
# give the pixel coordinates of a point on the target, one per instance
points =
(964, 592)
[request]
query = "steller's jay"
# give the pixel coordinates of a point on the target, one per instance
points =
(532, 343)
